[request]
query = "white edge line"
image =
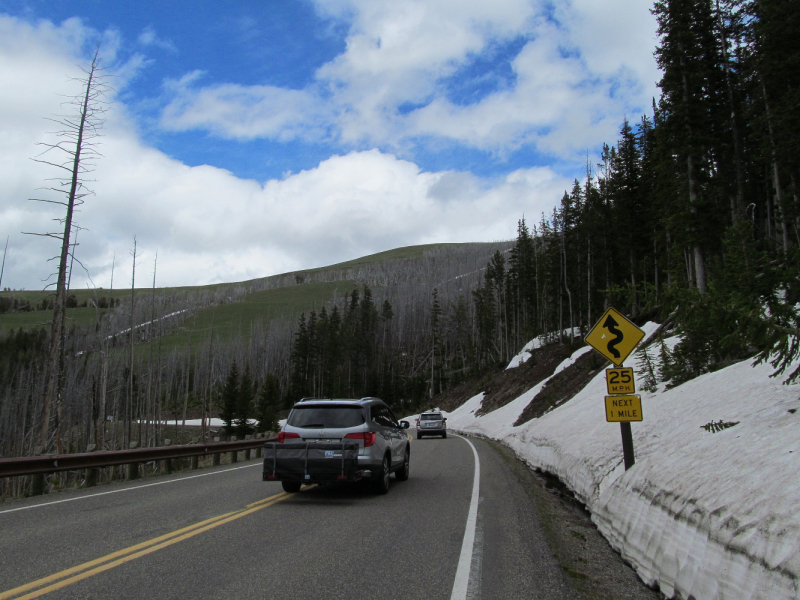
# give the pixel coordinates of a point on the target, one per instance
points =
(138, 487)
(465, 560)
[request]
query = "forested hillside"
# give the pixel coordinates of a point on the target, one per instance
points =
(690, 217)
(117, 388)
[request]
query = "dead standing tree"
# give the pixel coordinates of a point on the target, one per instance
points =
(78, 143)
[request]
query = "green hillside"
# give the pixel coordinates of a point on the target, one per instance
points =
(234, 317)
(238, 317)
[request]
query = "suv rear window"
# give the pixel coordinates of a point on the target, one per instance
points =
(326, 417)
(431, 417)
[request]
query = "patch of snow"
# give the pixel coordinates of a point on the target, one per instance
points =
(703, 515)
(525, 353)
(535, 343)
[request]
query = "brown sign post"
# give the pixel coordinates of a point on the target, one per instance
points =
(615, 337)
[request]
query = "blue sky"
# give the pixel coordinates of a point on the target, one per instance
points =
(277, 43)
(361, 113)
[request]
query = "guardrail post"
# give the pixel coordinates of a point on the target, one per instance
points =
(133, 468)
(247, 452)
(37, 481)
(168, 461)
(195, 461)
(91, 474)
(216, 455)
(260, 449)
(234, 454)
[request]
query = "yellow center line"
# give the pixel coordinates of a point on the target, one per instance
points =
(262, 501)
(102, 564)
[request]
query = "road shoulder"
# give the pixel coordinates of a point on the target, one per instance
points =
(594, 569)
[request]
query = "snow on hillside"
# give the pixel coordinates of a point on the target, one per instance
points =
(525, 353)
(703, 515)
(527, 349)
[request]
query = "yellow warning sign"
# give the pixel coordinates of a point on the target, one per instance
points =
(620, 381)
(623, 409)
(614, 336)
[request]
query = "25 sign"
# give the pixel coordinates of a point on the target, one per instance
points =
(620, 381)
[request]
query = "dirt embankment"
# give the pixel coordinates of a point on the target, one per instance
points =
(563, 386)
(501, 386)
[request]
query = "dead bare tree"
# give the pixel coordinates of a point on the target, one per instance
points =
(3, 268)
(76, 148)
(131, 329)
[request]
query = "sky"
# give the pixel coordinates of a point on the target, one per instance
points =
(247, 138)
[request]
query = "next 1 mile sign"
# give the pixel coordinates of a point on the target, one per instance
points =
(623, 409)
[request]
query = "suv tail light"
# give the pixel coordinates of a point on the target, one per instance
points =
(285, 436)
(368, 437)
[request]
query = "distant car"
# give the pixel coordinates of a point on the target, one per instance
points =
(339, 440)
(431, 423)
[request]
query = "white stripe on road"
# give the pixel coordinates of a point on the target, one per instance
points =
(461, 584)
(138, 487)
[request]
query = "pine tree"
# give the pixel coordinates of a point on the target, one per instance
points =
(230, 398)
(688, 55)
(299, 386)
(244, 403)
(268, 404)
(332, 355)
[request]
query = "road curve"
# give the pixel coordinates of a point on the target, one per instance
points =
(223, 533)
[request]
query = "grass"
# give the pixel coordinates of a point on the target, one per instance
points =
(405, 252)
(81, 317)
(262, 306)
(227, 318)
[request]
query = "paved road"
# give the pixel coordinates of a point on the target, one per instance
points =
(223, 533)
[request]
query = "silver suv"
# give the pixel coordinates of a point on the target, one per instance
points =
(431, 423)
(382, 444)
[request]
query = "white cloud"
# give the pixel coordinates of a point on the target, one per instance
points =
(206, 224)
(585, 66)
(244, 112)
(148, 37)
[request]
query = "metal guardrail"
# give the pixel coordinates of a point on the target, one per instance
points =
(51, 463)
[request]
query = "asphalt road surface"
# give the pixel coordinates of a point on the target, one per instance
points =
(223, 533)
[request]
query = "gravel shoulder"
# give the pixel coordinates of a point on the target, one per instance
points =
(595, 570)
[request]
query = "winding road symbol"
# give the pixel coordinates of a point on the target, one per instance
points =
(614, 336)
(611, 325)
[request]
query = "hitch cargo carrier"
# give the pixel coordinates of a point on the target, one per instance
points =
(310, 462)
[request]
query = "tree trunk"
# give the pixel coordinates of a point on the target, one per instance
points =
(52, 373)
(129, 397)
(776, 180)
(737, 203)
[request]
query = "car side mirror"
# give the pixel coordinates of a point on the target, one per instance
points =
(404, 424)
(444, 420)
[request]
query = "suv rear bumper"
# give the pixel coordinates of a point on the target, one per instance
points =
(431, 431)
(318, 463)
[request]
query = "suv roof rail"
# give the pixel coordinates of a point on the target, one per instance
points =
(307, 398)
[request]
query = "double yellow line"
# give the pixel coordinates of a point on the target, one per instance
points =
(67, 577)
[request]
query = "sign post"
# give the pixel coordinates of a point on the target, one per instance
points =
(615, 337)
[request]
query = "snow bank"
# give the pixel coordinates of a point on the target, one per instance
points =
(703, 515)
